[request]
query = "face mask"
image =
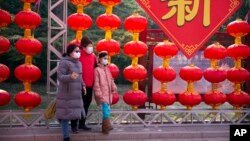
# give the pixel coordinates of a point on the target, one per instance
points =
(104, 62)
(76, 55)
(89, 50)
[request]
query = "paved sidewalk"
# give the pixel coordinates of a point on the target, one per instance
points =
(183, 133)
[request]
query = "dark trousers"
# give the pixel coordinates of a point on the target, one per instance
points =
(86, 102)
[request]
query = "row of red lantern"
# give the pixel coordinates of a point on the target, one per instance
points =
(79, 21)
(191, 98)
(164, 74)
(109, 22)
(135, 72)
(5, 45)
(28, 46)
(238, 51)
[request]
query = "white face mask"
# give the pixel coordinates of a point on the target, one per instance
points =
(104, 62)
(76, 55)
(89, 50)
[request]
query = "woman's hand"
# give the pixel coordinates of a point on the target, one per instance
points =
(84, 90)
(74, 75)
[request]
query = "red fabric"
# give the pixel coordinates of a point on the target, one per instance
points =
(88, 62)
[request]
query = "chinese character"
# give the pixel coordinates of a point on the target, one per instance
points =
(184, 11)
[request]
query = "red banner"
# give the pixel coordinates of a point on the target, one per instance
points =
(190, 23)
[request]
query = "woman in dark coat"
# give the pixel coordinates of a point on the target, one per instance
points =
(69, 104)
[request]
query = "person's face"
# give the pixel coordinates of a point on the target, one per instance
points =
(76, 53)
(89, 49)
(104, 60)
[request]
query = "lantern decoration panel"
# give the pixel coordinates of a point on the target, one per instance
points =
(164, 73)
(5, 20)
(109, 22)
(135, 72)
(28, 46)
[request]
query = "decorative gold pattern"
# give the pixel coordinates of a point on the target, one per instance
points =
(234, 3)
(146, 3)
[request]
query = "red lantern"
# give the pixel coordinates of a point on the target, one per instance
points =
(215, 99)
(27, 100)
(135, 73)
(79, 21)
(135, 98)
(5, 18)
(238, 51)
(108, 22)
(237, 75)
(215, 51)
(238, 99)
(189, 99)
(4, 44)
(164, 74)
(27, 19)
(191, 73)
(81, 2)
(163, 98)
(135, 23)
(166, 49)
(29, 46)
(4, 97)
(114, 70)
(27, 73)
(238, 28)
(111, 46)
(109, 2)
(215, 75)
(5, 72)
(135, 49)
(115, 98)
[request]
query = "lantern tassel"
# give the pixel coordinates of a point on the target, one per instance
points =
(80, 8)
(135, 86)
(163, 87)
(190, 87)
(238, 40)
(135, 37)
(165, 62)
(26, 6)
(108, 35)
(27, 33)
(214, 63)
(78, 35)
(28, 59)
(109, 9)
(134, 61)
(238, 63)
(27, 86)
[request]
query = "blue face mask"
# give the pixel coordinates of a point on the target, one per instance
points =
(104, 62)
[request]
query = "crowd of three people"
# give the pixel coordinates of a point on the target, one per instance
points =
(79, 74)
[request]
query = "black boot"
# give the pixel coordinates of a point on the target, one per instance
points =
(74, 126)
(82, 125)
(66, 139)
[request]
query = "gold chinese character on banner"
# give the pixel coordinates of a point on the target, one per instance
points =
(184, 11)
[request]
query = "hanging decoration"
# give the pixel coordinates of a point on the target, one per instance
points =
(190, 97)
(28, 46)
(109, 22)
(135, 72)
(164, 74)
(238, 51)
(79, 21)
(5, 20)
(215, 75)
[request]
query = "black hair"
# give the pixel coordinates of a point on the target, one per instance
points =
(70, 49)
(85, 42)
(102, 54)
